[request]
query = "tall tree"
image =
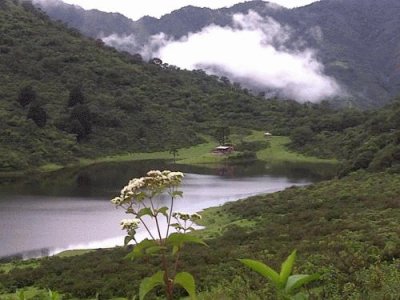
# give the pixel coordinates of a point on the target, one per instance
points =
(76, 96)
(80, 114)
(222, 133)
(37, 114)
(26, 96)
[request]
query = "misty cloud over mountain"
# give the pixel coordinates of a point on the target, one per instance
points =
(344, 48)
(252, 51)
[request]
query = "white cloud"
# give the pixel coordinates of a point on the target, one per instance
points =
(251, 52)
(122, 43)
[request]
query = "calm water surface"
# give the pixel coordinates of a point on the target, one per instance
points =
(70, 209)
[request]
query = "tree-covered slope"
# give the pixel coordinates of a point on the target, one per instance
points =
(64, 96)
(370, 141)
(355, 40)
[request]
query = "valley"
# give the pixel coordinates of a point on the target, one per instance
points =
(80, 117)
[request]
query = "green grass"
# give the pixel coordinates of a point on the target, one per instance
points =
(29, 293)
(6, 267)
(50, 167)
(215, 222)
(20, 264)
(198, 154)
(201, 154)
(278, 153)
(70, 253)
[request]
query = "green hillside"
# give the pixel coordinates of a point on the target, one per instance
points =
(65, 96)
(354, 39)
(373, 144)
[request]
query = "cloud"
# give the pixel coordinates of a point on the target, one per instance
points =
(254, 51)
(260, 53)
(121, 42)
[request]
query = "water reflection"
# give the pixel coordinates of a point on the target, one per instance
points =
(105, 179)
(70, 209)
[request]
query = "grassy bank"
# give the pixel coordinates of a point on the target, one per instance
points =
(276, 153)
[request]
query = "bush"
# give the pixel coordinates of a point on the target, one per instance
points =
(37, 114)
(26, 96)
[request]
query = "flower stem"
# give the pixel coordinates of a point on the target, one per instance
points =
(156, 219)
(170, 215)
(147, 228)
(169, 285)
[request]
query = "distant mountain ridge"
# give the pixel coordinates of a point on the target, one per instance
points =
(356, 40)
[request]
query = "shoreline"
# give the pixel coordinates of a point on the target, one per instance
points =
(207, 230)
(198, 155)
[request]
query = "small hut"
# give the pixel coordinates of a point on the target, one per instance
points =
(223, 149)
(267, 134)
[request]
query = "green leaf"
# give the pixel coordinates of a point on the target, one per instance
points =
(300, 296)
(145, 212)
(140, 196)
(150, 283)
(175, 249)
(139, 249)
(177, 240)
(186, 281)
(296, 281)
(286, 268)
(154, 250)
(127, 240)
(54, 295)
(263, 270)
(21, 295)
(164, 211)
(177, 194)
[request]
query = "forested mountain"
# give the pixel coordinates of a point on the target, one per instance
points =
(354, 39)
(370, 140)
(64, 96)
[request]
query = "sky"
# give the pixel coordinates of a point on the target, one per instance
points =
(136, 9)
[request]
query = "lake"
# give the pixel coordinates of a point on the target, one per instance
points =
(70, 209)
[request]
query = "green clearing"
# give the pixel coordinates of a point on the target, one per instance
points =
(70, 253)
(278, 153)
(201, 154)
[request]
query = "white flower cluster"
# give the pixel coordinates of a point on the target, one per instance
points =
(155, 180)
(129, 224)
(186, 217)
(181, 215)
(195, 217)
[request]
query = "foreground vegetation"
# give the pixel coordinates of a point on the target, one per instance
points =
(344, 229)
